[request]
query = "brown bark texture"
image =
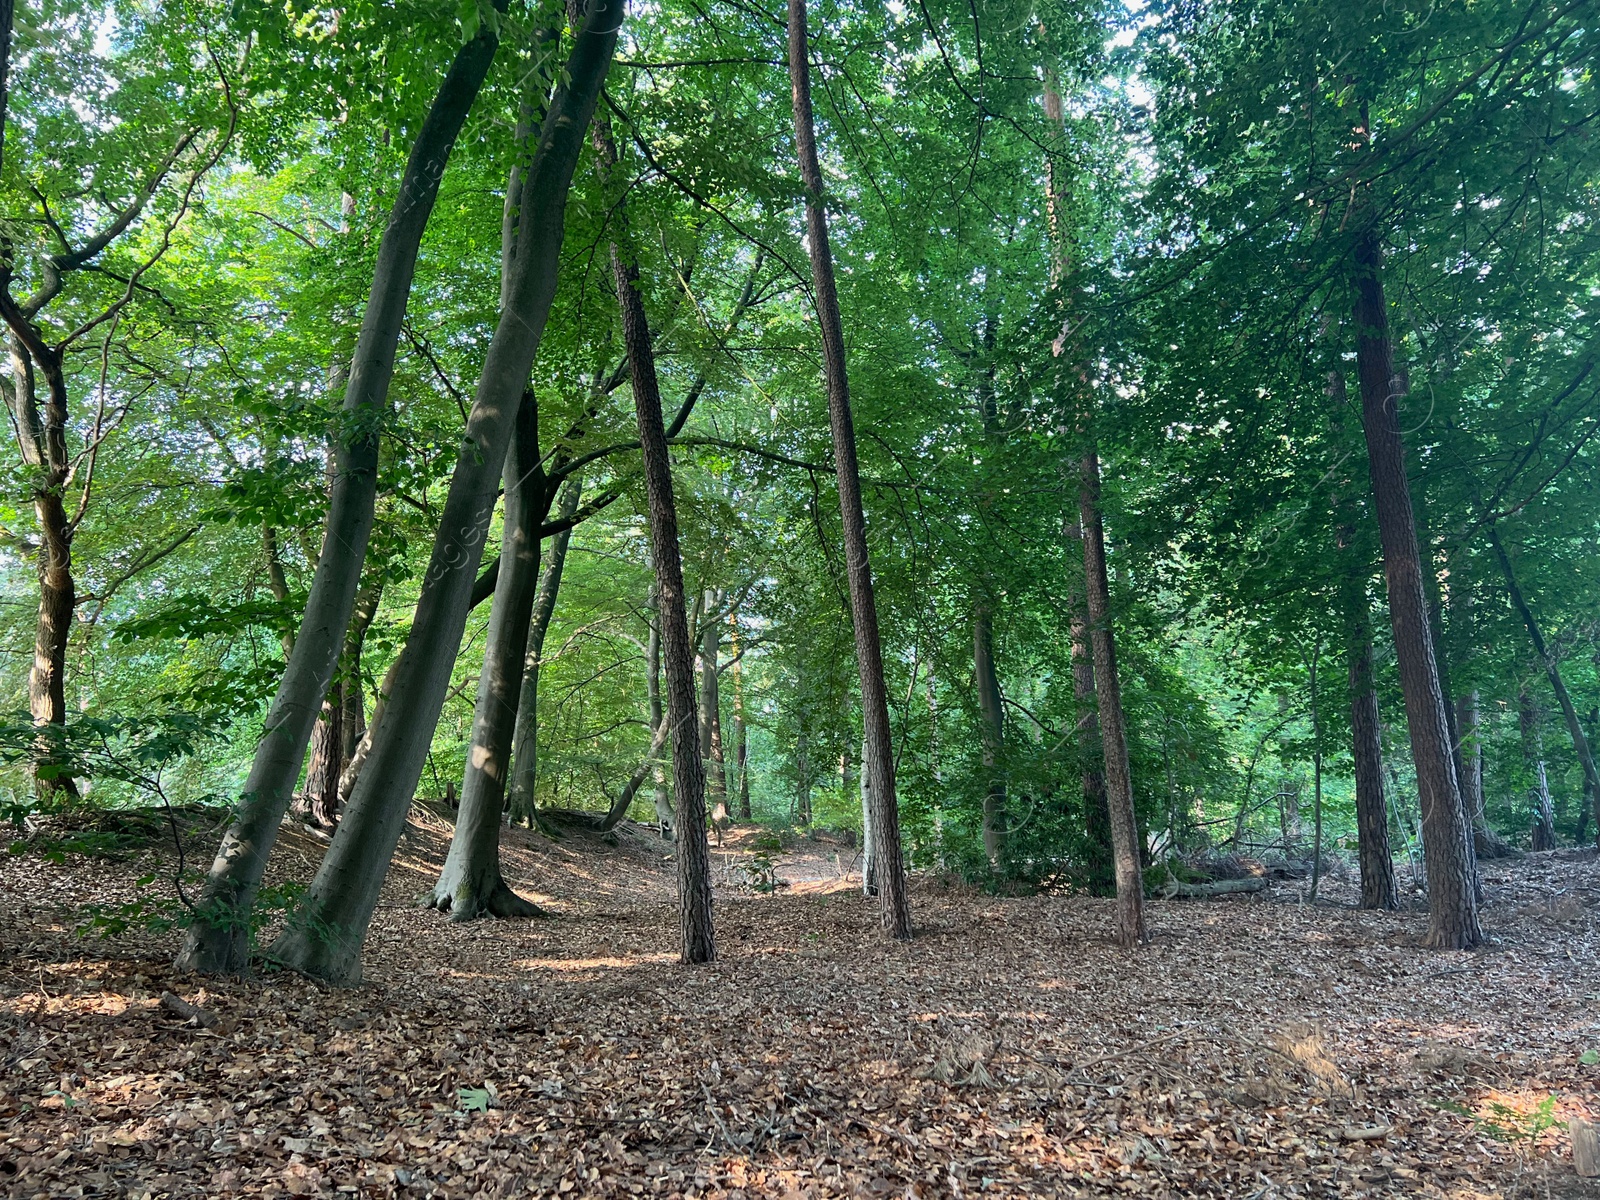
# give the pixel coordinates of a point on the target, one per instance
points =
(1453, 910)
(697, 942)
(1130, 928)
(885, 815)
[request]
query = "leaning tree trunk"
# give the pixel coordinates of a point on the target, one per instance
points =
(698, 937)
(885, 815)
(219, 938)
(1552, 670)
(471, 884)
(1108, 691)
(525, 741)
(326, 936)
(1453, 910)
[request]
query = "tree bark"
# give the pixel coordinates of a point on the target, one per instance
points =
(697, 933)
(525, 741)
(1552, 670)
(218, 940)
(1544, 814)
(326, 937)
(658, 719)
(1130, 928)
(1366, 751)
(471, 884)
(41, 437)
(1453, 911)
(885, 815)
(986, 681)
(741, 737)
(1101, 867)
(802, 770)
(714, 762)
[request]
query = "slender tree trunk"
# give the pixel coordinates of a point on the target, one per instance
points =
(1453, 910)
(471, 884)
(326, 937)
(1552, 670)
(697, 933)
(885, 815)
(341, 726)
(741, 736)
(711, 757)
(218, 940)
(1441, 659)
(1544, 813)
(658, 719)
(1130, 929)
(1101, 867)
(1366, 750)
(327, 754)
(525, 741)
(802, 770)
(986, 682)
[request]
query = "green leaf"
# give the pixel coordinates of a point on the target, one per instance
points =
(1589, 1057)
(474, 1099)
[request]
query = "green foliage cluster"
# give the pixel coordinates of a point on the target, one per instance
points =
(1193, 212)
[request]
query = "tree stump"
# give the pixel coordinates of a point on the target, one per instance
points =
(1585, 1147)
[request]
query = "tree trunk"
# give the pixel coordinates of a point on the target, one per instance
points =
(327, 755)
(1453, 910)
(1101, 867)
(525, 741)
(802, 770)
(1366, 751)
(658, 718)
(325, 938)
(218, 940)
(1441, 660)
(41, 438)
(340, 728)
(712, 762)
(741, 738)
(1544, 813)
(47, 697)
(885, 815)
(1552, 670)
(986, 682)
(698, 937)
(471, 884)
(1130, 929)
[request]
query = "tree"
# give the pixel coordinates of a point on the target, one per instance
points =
(1452, 905)
(698, 935)
(326, 937)
(883, 804)
(101, 216)
(218, 940)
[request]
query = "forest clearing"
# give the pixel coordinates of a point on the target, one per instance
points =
(1256, 1047)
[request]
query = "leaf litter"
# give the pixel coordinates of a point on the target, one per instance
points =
(1256, 1048)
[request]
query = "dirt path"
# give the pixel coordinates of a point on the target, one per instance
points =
(1256, 1048)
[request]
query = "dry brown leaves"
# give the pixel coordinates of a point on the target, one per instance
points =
(1256, 1048)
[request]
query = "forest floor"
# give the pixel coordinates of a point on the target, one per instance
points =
(1258, 1047)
